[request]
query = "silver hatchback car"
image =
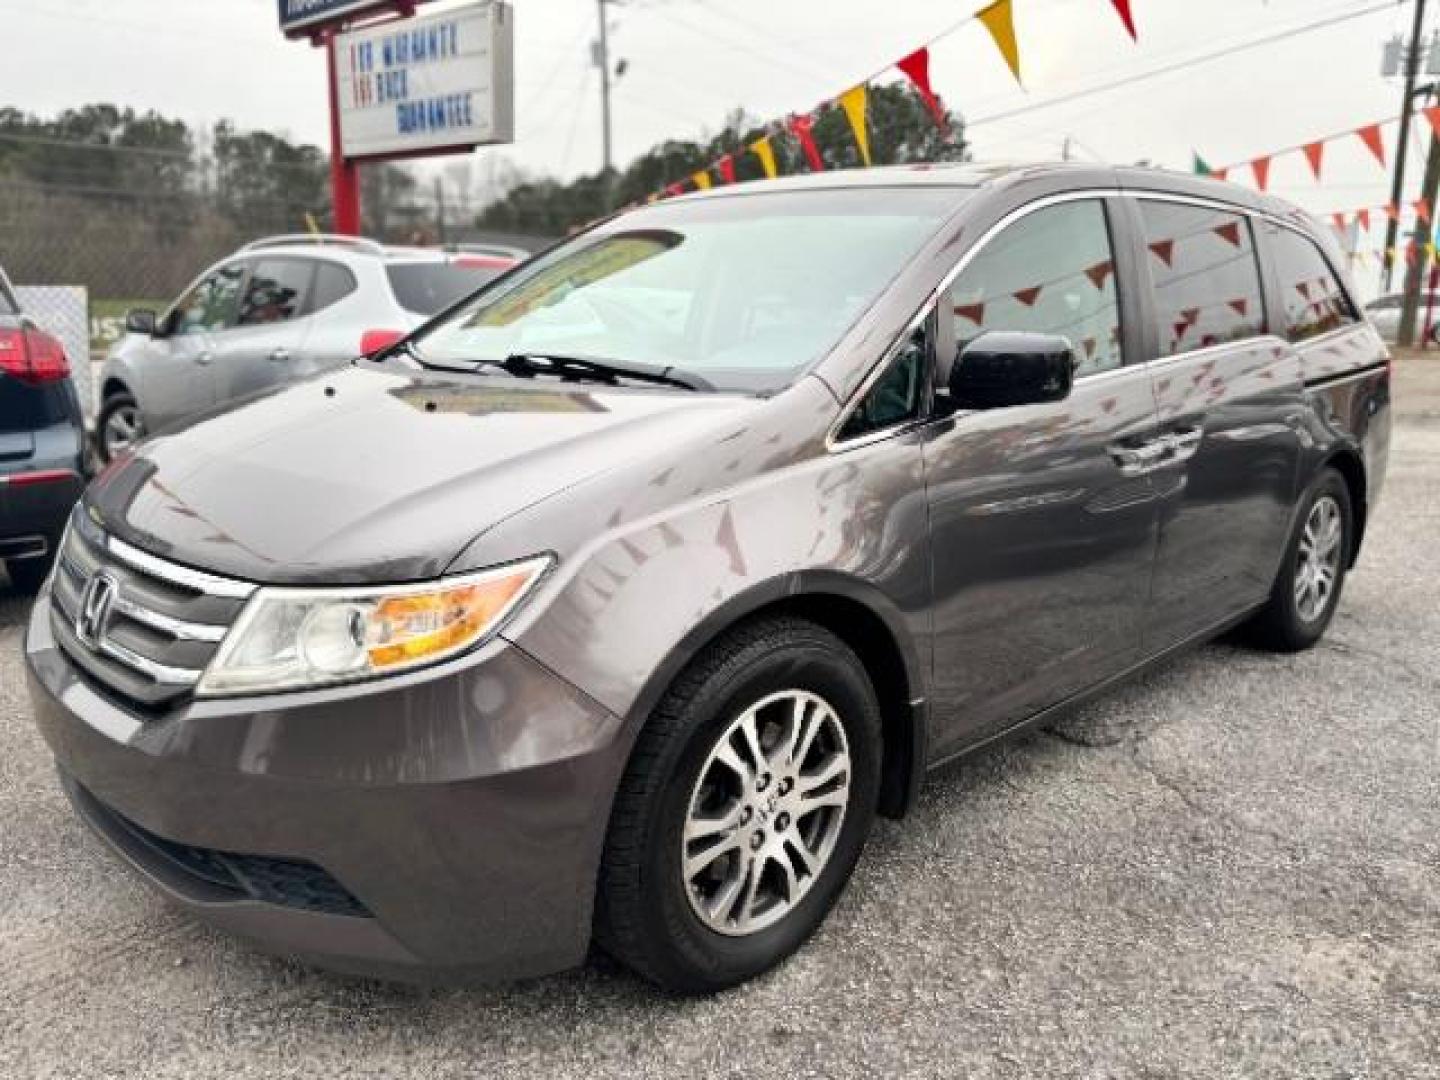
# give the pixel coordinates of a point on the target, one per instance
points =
(278, 310)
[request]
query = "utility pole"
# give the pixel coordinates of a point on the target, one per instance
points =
(440, 210)
(1411, 61)
(602, 60)
(1415, 272)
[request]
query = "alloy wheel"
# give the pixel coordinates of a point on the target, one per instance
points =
(1317, 567)
(766, 812)
(122, 428)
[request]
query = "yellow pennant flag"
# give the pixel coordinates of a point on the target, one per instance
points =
(762, 149)
(702, 180)
(853, 102)
(999, 19)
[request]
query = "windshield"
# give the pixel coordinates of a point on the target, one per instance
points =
(743, 292)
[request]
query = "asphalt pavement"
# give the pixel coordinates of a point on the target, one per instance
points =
(1230, 868)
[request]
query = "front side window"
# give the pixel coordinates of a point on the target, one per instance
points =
(1206, 277)
(211, 305)
(744, 291)
(897, 395)
(1311, 298)
(1051, 272)
(277, 291)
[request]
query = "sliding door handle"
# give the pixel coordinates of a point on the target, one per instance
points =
(1141, 458)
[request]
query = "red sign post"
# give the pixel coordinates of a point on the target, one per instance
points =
(344, 173)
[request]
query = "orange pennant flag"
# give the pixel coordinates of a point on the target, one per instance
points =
(1422, 209)
(762, 149)
(701, 179)
(1261, 167)
(999, 19)
(1313, 153)
(1363, 216)
(1218, 174)
(853, 102)
(1432, 114)
(1339, 218)
(1370, 136)
(1392, 211)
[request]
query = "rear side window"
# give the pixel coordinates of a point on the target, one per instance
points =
(277, 291)
(333, 283)
(430, 287)
(1311, 298)
(1207, 280)
(1051, 272)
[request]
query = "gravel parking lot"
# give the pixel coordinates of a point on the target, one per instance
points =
(1229, 868)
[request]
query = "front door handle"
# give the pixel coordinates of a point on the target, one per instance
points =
(280, 356)
(1141, 458)
(204, 357)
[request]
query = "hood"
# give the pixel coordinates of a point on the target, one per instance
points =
(370, 476)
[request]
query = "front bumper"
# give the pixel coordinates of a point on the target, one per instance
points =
(463, 810)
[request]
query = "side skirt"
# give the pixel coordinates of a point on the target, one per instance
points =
(1094, 691)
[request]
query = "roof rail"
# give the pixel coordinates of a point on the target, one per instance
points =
(360, 243)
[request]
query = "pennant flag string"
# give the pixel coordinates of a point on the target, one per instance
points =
(853, 102)
(1314, 150)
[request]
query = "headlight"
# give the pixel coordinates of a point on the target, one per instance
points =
(286, 639)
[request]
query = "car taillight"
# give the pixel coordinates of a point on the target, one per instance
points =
(372, 341)
(32, 356)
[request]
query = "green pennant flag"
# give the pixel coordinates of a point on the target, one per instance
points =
(1201, 167)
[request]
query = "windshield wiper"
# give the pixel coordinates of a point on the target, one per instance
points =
(591, 369)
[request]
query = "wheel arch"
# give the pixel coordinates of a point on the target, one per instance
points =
(1347, 462)
(869, 623)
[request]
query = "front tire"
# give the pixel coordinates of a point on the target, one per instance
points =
(118, 427)
(1307, 588)
(744, 809)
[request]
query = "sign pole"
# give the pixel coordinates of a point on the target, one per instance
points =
(344, 175)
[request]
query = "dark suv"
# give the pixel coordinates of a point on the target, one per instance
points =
(614, 604)
(42, 444)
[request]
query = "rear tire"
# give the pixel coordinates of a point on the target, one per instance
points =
(1312, 574)
(669, 906)
(118, 427)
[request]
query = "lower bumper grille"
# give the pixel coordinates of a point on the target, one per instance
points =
(220, 875)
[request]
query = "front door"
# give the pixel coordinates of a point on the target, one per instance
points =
(264, 348)
(1230, 400)
(1043, 517)
(178, 365)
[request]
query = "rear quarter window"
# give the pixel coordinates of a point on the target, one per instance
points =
(1312, 301)
(333, 283)
(430, 287)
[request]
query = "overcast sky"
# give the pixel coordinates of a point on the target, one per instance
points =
(690, 61)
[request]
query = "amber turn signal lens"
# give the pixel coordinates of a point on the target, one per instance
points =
(404, 629)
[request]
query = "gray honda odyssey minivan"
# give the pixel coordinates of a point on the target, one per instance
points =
(615, 603)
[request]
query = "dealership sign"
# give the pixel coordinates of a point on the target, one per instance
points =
(299, 17)
(445, 81)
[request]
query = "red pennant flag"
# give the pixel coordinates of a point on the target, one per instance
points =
(1028, 296)
(1422, 209)
(916, 67)
(1363, 216)
(1339, 219)
(974, 312)
(1219, 174)
(1392, 211)
(1098, 273)
(1314, 152)
(1180, 328)
(676, 188)
(1370, 136)
(1261, 167)
(1432, 114)
(1229, 231)
(1122, 7)
(726, 165)
(1163, 249)
(800, 126)
(1412, 251)
(1239, 306)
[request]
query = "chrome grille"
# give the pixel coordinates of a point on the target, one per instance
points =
(141, 625)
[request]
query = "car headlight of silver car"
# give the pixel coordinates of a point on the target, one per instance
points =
(290, 639)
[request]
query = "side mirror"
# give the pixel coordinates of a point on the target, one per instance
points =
(1002, 367)
(141, 321)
